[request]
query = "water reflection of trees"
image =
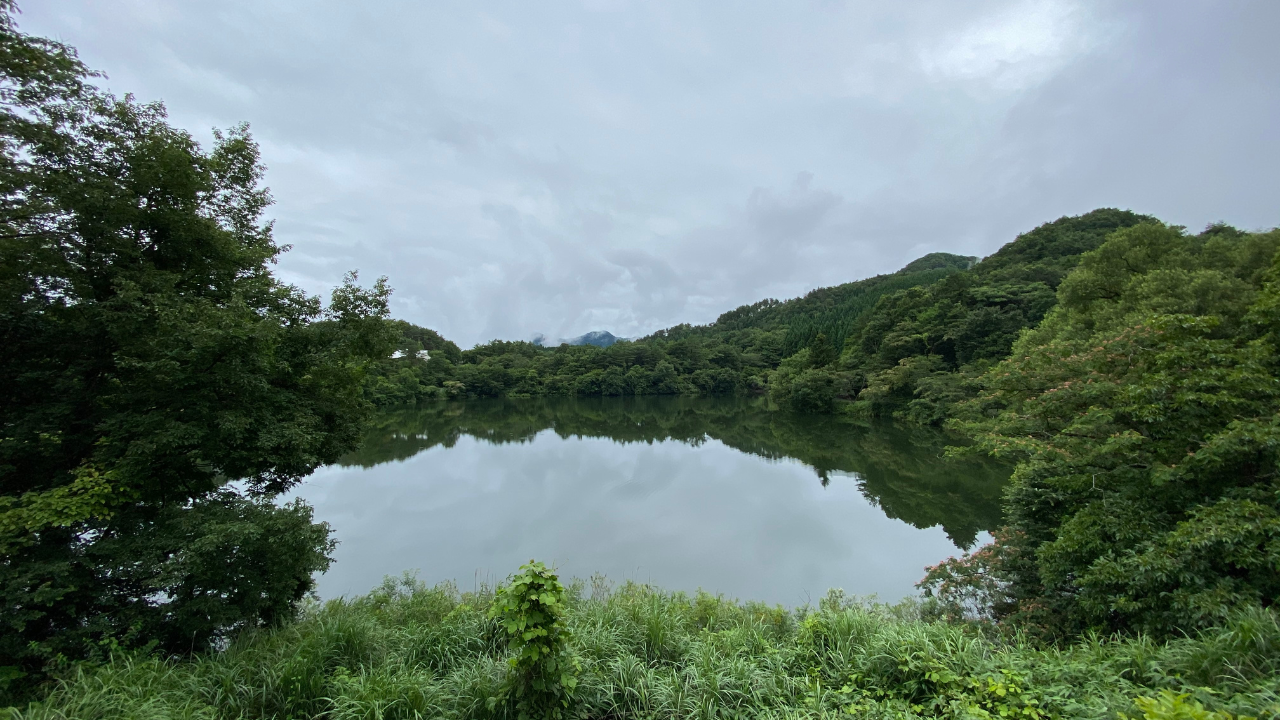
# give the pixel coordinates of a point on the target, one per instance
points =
(900, 469)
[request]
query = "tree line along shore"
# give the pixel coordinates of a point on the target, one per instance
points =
(908, 345)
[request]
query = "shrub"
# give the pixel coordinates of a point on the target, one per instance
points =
(531, 609)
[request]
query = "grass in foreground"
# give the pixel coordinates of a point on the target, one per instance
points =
(409, 651)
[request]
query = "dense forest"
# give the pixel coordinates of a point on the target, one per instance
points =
(1144, 413)
(735, 354)
(163, 389)
(907, 344)
(150, 358)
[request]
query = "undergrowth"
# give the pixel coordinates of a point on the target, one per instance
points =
(410, 651)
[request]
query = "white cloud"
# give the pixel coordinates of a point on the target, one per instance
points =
(1013, 48)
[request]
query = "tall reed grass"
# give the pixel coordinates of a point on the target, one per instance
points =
(410, 651)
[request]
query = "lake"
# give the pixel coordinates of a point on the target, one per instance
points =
(685, 493)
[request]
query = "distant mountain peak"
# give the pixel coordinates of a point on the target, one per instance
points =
(599, 338)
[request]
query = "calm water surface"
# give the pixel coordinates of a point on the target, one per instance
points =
(686, 493)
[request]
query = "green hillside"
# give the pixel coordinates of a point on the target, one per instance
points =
(917, 347)
(900, 344)
(836, 311)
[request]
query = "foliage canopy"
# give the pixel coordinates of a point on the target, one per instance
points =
(1143, 412)
(150, 359)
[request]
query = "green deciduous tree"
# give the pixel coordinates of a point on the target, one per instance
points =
(151, 359)
(1144, 412)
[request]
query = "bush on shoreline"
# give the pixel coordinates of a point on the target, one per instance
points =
(409, 651)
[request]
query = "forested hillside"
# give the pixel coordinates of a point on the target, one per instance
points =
(907, 343)
(734, 354)
(919, 349)
(834, 311)
(1145, 416)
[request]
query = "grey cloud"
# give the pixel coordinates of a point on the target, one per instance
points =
(518, 168)
(791, 217)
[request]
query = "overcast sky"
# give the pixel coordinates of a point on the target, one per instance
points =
(535, 167)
